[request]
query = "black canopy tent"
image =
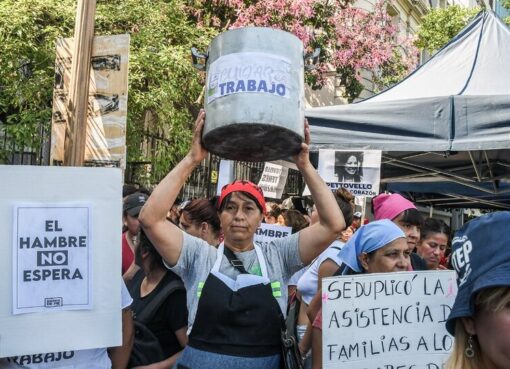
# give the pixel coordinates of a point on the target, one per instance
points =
(446, 124)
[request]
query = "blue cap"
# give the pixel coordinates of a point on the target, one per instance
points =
(481, 258)
(369, 238)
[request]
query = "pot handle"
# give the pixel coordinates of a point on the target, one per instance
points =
(196, 56)
(311, 59)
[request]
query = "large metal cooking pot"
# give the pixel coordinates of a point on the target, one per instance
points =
(254, 94)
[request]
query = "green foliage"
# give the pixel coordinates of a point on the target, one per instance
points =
(164, 89)
(163, 85)
(391, 72)
(441, 24)
(506, 4)
(28, 30)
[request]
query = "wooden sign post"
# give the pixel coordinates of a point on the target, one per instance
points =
(76, 131)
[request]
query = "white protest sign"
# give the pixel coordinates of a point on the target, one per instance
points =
(83, 208)
(306, 191)
(359, 201)
(273, 179)
(226, 174)
(357, 171)
(248, 72)
(268, 232)
(51, 257)
(387, 321)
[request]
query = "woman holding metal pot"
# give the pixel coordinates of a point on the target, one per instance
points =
(237, 293)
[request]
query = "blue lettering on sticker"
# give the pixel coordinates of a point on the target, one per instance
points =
(222, 87)
(252, 85)
(280, 89)
(240, 86)
(230, 87)
(262, 86)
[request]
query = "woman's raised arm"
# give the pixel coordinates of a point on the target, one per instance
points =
(167, 237)
(314, 239)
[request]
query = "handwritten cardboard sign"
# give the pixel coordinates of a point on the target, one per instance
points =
(273, 180)
(387, 321)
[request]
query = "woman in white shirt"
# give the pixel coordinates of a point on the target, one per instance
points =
(324, 265)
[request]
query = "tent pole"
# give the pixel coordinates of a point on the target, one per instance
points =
(466, 200)
(489, 167)
(474, 166)
(391, 160)
(440, 174)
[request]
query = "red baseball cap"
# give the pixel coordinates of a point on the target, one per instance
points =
(246, 187)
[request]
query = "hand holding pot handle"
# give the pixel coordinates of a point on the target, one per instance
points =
(198, 152)
(303, 157)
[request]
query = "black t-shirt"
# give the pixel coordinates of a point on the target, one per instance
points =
(171, 316)
(417, 262)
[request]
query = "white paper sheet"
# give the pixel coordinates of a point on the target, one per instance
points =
(52, 267)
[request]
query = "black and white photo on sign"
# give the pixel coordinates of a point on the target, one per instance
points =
(391, 320)
(349, 166)
(358, 171)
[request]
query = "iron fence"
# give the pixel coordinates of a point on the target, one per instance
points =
(201, 183)
(12, 153)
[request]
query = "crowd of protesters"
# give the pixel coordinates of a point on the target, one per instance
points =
(211, 298)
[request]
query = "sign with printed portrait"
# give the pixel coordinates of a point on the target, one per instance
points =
(357, 171)
(387, 320)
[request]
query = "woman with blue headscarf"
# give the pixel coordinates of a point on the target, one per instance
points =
(375, 248)
(378, 247)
